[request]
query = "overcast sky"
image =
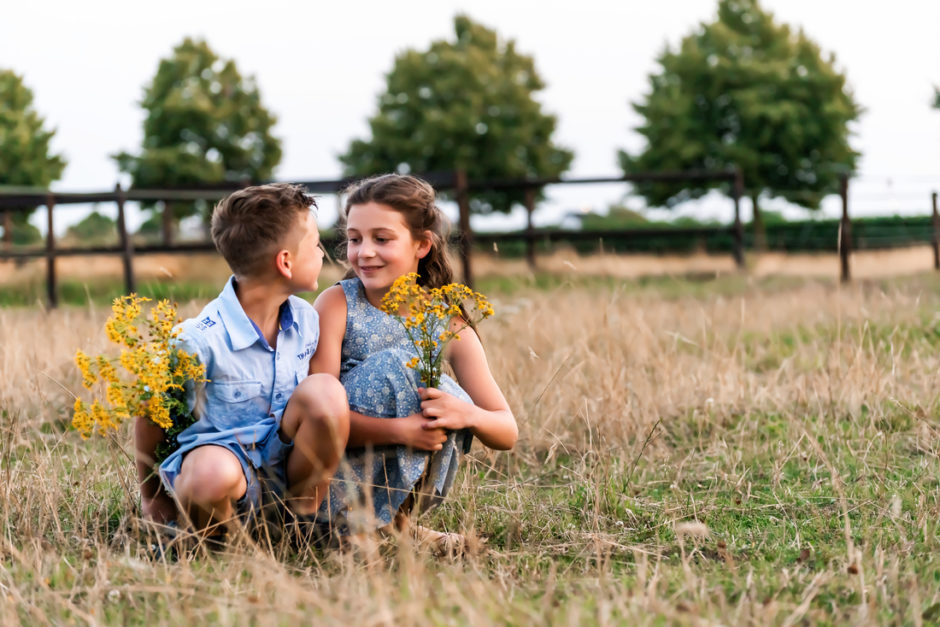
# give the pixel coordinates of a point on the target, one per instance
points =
(320, 66)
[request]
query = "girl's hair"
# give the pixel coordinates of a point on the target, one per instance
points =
(414, 200)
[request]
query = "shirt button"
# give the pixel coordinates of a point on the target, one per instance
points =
(237, 394)
(278, 396)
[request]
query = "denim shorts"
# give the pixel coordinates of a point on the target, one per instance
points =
(264, 465)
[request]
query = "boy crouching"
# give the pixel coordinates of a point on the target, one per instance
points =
(263, 423)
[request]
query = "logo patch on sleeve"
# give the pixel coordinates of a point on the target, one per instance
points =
(205, 323)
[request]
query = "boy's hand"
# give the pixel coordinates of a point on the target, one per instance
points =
(415, 432)
(444, 410)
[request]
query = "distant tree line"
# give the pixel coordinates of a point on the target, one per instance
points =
(739, 91)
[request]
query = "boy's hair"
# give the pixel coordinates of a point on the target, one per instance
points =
(415, 200)
(250, 225)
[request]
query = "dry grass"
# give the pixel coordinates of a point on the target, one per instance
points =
(733, 452)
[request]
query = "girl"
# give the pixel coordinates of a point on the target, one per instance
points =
(404, 440)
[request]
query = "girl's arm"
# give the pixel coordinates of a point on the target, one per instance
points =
(489, 417)
(364, 430)
(331, 309)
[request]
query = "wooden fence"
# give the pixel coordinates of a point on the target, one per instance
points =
(454, 183)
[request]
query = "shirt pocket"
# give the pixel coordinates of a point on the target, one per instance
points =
(234, 403)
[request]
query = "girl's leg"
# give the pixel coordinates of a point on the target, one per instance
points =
(211, 480)
(440, 543)
(316, 419)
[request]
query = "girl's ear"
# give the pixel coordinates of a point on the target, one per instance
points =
(424, 244)
(284, 263)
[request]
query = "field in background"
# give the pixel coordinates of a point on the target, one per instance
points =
(739, 450)
(184, 277)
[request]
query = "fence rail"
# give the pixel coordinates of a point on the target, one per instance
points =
(726, 237)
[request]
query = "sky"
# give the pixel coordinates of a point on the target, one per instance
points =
(321, 65)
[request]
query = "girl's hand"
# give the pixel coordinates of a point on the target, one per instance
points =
(444, 410)
(420, 433)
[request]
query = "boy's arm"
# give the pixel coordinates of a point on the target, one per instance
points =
(155, 503)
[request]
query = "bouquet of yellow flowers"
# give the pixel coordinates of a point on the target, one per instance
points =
(426, 315)
(153, 372)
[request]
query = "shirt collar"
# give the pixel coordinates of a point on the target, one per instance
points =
(242, 331)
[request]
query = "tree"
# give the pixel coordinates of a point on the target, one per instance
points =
(205, 124)
(464, 104)
(25, 155)
(747, 92)
(93, 229)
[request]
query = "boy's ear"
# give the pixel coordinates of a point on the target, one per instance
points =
(284, 263)
(424, 245)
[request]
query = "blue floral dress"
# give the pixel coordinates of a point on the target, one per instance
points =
(373, 371)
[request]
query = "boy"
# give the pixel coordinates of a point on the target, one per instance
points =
(260, 417)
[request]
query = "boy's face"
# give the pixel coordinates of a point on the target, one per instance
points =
(308, 255)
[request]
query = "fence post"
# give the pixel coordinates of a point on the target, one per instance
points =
(845, 230)
(51, 291)
(127, 246)
(466, 235)
(166, 223)
(7, 229)
(737, 190)
(529, 229)
(936, 232)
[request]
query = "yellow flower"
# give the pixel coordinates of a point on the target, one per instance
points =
(81, 421)
(151, 364)
(83, 362)
(429, 316)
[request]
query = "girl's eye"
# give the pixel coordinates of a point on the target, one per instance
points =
(381, 239)
(352, 240)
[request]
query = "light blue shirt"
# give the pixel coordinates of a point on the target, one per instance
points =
(241, 405)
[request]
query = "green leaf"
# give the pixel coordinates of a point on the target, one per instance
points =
(204, 124)
(744, 91)
(467, 103)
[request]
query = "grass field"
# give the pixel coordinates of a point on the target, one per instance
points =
(734, 451)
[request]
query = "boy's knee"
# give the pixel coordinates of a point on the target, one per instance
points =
(323, 399)
(210, 476)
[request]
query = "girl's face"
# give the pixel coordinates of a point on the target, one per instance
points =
(380, 247)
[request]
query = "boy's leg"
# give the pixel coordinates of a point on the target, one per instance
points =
(316, 420)
(211, 479)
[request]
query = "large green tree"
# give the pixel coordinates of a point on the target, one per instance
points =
(744, 91)
(26, 158)
(467, 103)
(205, 124)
